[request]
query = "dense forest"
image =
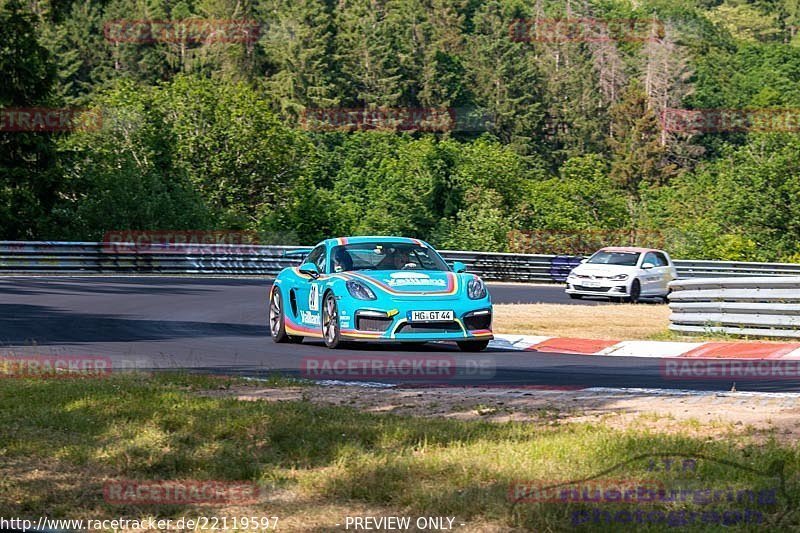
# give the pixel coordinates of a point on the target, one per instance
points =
(560, 124)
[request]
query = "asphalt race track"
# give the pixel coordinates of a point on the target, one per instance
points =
(219, 325)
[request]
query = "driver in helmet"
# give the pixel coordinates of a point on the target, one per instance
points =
(397, 259)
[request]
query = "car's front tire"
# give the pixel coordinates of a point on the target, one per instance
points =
(277, 319)
(331, 333)
(635, 294)
(472, 346)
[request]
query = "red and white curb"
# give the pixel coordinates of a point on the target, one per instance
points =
(655, 349)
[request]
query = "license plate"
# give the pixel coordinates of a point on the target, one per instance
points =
(592, 284)
(430, 316)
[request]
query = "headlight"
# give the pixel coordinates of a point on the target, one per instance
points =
(360, 291)
(619, 277)
(476, 290)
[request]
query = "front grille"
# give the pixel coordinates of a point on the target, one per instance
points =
(478, 322)
(438, 327)
(592, 289)
(372, 323)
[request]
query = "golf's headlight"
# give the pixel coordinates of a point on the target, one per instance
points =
(360, 291)
(619, 277)
(476, 290)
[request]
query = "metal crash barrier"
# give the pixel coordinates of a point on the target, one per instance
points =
(244, 259)
(762, 306)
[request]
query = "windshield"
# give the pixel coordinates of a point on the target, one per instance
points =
(385, 256)
(615, 258)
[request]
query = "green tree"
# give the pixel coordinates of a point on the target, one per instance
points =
(28, 186)
(582, 197)
(123, 176)
(369, 62)
(482, 225)
(231, 146)
(299, 43)
(740, 207)
(506, 81)
(305, 217)
(638, 157)
(745, 22)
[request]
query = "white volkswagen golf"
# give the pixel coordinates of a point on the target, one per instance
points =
(623, 274)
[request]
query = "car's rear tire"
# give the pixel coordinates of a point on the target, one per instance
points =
(635, 294)
(472, 346)
(277, 319)
(331, 333)
(576, 296)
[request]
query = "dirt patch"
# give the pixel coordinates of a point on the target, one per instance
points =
(627, 321)
(705, 415)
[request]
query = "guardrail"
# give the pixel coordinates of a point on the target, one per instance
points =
(688, 268)
(738, 306)
(121, 258)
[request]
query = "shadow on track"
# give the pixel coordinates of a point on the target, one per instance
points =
(33, 324)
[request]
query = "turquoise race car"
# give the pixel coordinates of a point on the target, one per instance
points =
(389, 289)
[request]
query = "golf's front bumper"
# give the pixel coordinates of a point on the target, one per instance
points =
(597, 287)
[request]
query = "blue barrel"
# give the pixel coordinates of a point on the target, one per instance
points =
(561, 265)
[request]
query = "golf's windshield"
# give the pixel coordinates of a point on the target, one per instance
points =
(615, 258)
(385, 256)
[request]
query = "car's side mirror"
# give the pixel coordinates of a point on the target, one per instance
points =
(647, 266)
(583, 260)
(459, 267)
(309, 269)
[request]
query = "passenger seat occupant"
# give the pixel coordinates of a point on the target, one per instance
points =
(342, 262)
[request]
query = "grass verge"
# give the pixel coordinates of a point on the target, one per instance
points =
(62, 440)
